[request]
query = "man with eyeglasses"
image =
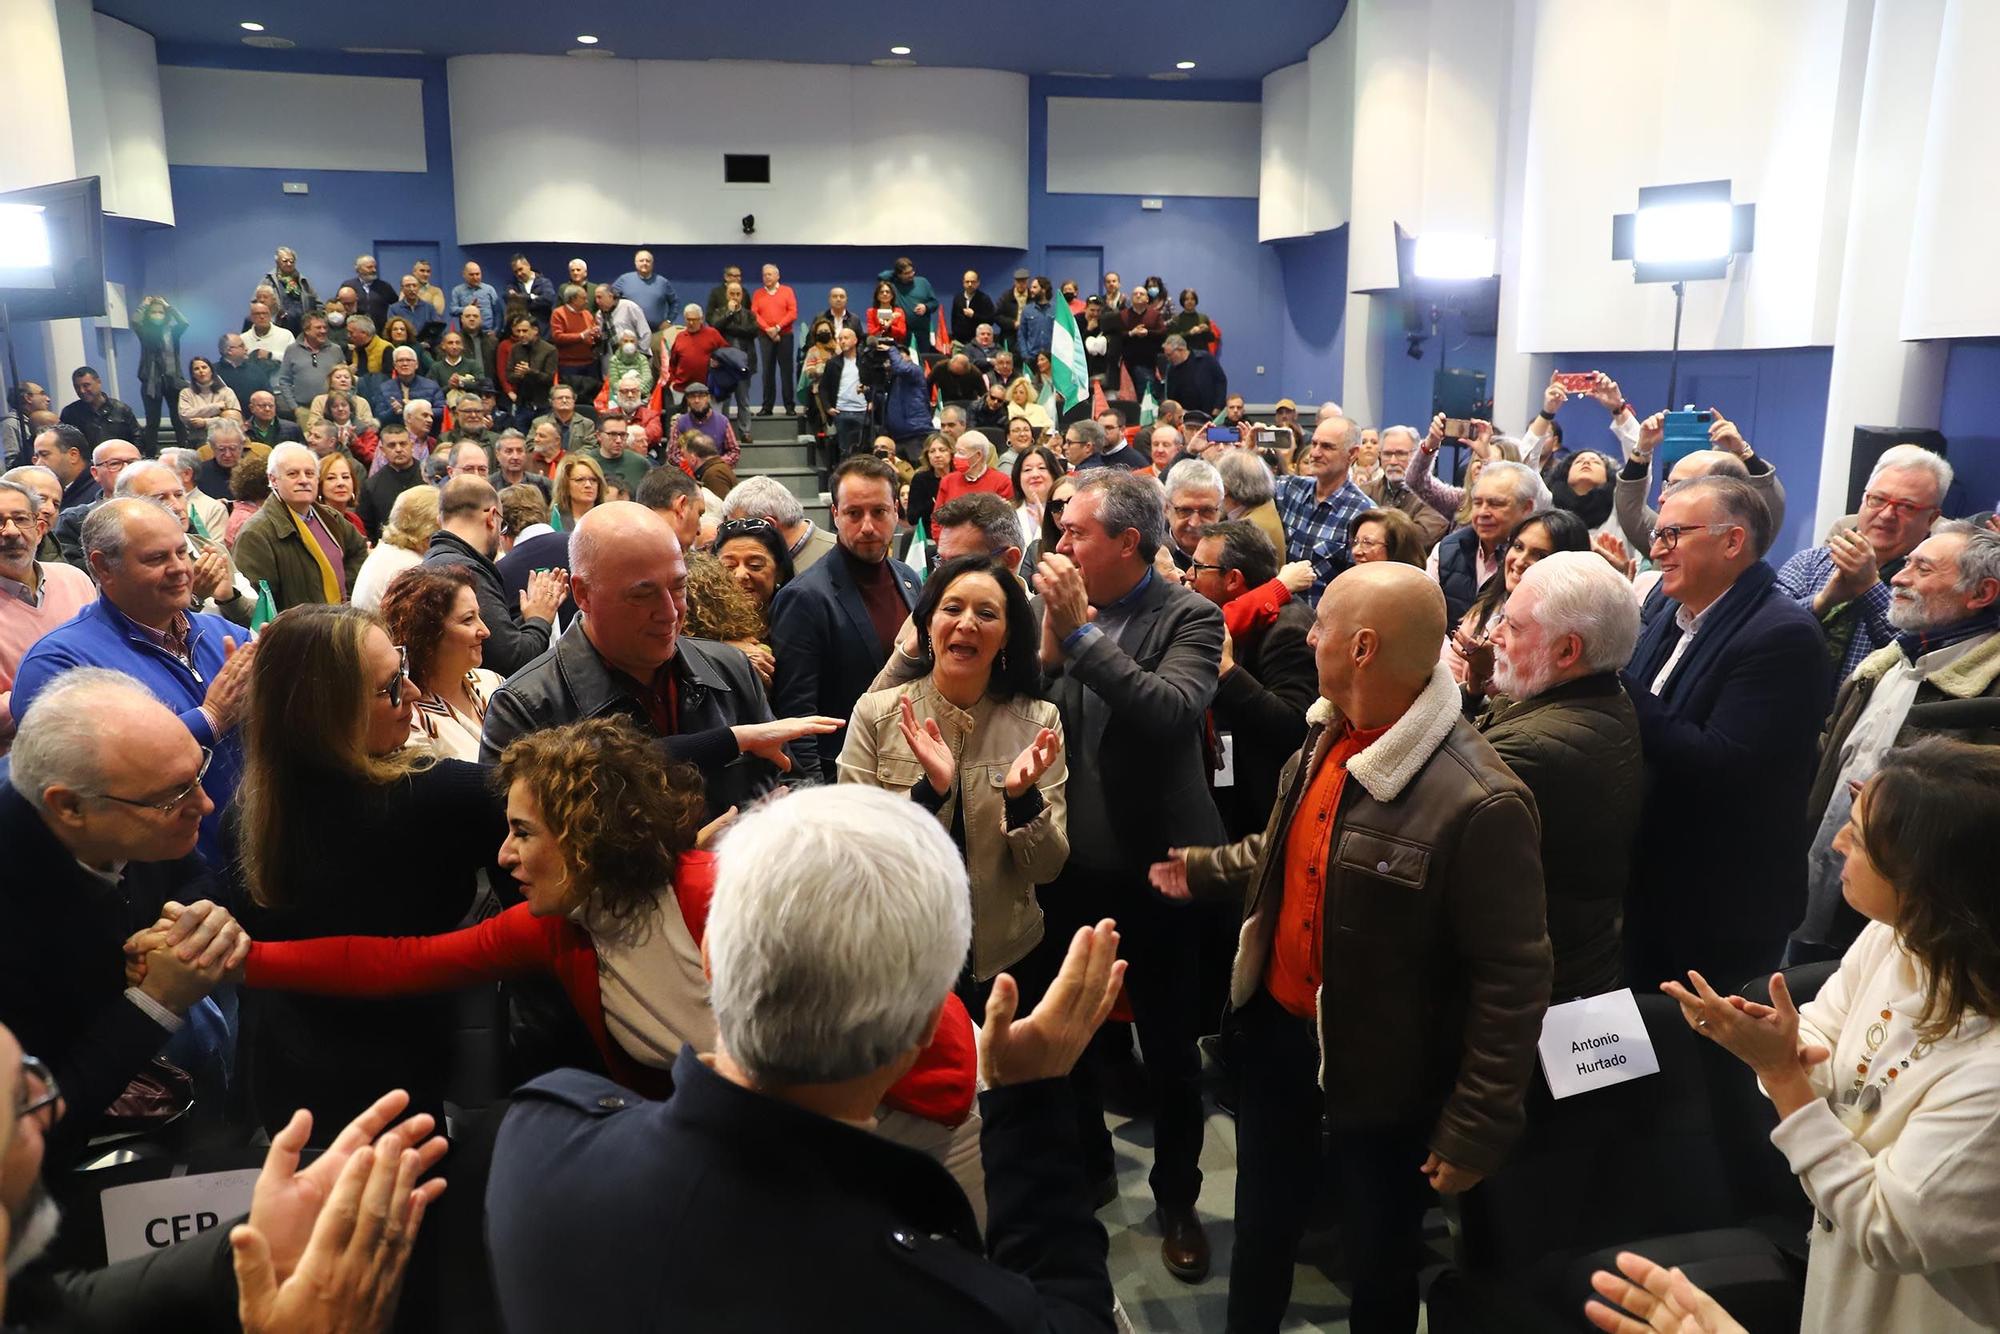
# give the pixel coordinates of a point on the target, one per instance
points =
(102, 811)
(1319, 504)
(1845, 584)
(1194, 500)
(1731, 682)
(1391, 492)
(1941, 675)
(35, 597)
(143, 624)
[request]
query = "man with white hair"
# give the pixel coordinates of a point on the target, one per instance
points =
(831, 959)
(1845, 582)
(143, 624)
(1248, 492)
(1194, 500)
(376, 296)
(648, 290)
(769, 499)
(1567, 730)
(35, 596)
(1391, 492)
(969, 456)
(219, 590)
(206, 515)
(261, 423)
(405, 384)
(1941, 676)
(307, 552)
(100, 817)
(1503, 494)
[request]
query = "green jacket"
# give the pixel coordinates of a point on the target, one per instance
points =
(271, 550)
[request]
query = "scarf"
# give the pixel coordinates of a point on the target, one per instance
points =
(330, 587)
(1593, 506)
(1916, 643)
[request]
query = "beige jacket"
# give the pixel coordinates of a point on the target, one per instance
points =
(1004, 864)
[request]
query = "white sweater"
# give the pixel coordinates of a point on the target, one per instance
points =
(1914, 1195)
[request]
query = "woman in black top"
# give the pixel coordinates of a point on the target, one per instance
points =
(159, 327)
(924, 484)
(341, 829)
(1191, 323)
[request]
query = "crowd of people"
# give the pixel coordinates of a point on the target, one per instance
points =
(454, 708)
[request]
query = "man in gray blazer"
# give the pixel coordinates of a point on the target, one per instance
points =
(1131, 660)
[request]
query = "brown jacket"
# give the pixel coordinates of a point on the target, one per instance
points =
(269, 549)
(1437, 952)
(1004, 864)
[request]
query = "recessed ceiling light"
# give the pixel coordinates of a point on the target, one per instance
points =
(251, 27)
(585, 39)
(1184, 64)
(899, 50)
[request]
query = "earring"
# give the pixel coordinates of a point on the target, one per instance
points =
(1001, 661)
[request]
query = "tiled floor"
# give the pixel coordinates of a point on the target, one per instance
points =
(1158, 1303)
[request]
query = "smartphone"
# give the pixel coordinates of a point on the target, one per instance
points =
(1459, 428)
(1221, 435)
(1265, 437)
(1681, 434)
(1577, 382)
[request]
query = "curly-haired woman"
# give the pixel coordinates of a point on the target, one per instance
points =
(433, 613)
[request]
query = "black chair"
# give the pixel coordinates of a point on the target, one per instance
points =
(1677, 1166)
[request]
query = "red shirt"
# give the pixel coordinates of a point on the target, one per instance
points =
(687, 359)
(938, 1088)
(1297, 951)
(566, 330)
(992, 480)
(780, 307)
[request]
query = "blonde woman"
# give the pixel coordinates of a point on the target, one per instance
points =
(340, 384)
(412, 520)
(1021, 402)
(339, 489)
(579, 488)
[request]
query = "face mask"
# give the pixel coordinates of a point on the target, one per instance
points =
(336, 318)
(1153, 292)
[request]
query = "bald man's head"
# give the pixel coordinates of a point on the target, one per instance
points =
(1376, 640)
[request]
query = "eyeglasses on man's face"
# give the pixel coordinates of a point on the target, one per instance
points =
(1875, 501)
(26, 1101)
(1669, 537)
(173, 803)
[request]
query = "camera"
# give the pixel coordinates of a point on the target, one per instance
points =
(872, 363)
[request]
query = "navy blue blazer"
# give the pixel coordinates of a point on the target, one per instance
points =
(1731, 746)
(827, 652)
(723, 1210)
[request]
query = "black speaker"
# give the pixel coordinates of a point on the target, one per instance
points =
(1870, 442)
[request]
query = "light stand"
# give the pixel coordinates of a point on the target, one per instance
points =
(1674, 357)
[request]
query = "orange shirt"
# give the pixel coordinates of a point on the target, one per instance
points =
(1293, 974)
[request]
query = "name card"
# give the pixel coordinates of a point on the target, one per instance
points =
(148, 1216)
(1594, 1043)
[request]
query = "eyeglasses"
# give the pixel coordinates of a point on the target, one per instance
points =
(743, 528)
(1057, 505)
(1195, 567)
(1902, 509)
(24, 522)
(173, 803)
(26, 1104)
(394, 690)
(1670, 536)
(1361, 544)
(1205, 512)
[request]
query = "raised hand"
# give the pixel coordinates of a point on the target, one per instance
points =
(1047, 1043)
(1613, 551)
(1032, 763)
(927, 743)
(1665, 1301)
(544, 594)
(229, 690)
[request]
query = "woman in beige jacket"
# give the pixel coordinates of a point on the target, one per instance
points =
(971, 740)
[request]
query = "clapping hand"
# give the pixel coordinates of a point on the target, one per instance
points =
(544, 595)
(1046, 1044)
(212, 575)
(926, 741)
(1065, 601)
(1477, 651)
(1613, 551)
(1032, 763)
(1854, 569)
(1664, 1300)
(1763, 1037)
(360, 1208)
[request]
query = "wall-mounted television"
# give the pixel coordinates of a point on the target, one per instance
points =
(52, 251)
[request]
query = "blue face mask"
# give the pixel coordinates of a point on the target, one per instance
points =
(1153, 292)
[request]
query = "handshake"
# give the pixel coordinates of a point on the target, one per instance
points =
(190, 951)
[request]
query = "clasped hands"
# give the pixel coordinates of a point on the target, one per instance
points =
(186, 954)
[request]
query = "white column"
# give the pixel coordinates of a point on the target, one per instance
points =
(1878, 379)
(34, 106)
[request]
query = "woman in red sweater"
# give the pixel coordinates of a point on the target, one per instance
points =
(597, 823)
(573, 329)
(885, 317)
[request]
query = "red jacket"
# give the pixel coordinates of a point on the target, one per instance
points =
(897, 328)
(687, 360)
(954, 485)
(567, 329)
(780, 308)
(940, 1087)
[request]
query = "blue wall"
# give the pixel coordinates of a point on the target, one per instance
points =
(229, 220)
(1776, 397)
(1970, 418)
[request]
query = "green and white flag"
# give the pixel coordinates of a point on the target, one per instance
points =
(1071, 372)
(266, 609)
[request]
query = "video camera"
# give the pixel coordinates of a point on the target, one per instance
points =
(872, 362)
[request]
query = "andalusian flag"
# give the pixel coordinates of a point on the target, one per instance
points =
(1066, 359)
(266, 609)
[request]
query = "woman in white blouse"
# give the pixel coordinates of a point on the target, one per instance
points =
(405, 537)
(1887, 1084)
(204, 397)
(432, 613)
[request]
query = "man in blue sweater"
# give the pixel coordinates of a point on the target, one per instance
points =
(906, 416)
(143, 625)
